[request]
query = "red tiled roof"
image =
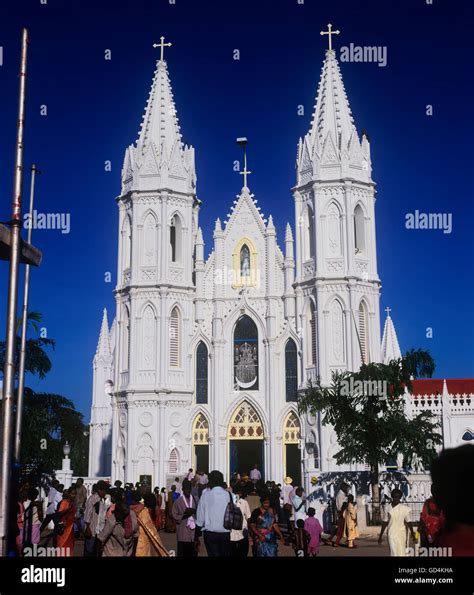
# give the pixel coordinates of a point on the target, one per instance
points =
(432, 386)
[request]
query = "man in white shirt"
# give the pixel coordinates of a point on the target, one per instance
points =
(190, 475)
(255, 474)
(210, 516)
(54, 498)
(299, 505)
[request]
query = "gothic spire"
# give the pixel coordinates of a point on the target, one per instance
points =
(332, 112)
(159, 159)
(103, 345)
(390, 347)
(332, 148)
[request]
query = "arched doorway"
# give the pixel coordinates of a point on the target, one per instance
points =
(201, 444)
(245, 435)
(291, 447)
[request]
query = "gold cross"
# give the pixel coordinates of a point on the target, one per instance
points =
(162, 45)
(330, 32)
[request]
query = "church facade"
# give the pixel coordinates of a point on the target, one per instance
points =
(204, 358)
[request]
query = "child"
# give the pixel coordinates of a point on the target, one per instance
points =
(314, 529)
(301, 540)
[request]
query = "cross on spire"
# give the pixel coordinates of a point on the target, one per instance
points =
(329, 33)
(388, 310)
(243, 143)
(162, 46)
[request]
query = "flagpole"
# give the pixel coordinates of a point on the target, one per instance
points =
(24, 330)
(9, 370)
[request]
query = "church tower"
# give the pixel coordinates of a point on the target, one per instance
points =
(100, 428)
(337, 284)
(158, 216)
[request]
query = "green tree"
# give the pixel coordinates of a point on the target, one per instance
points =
(366, 409)
(48, 419)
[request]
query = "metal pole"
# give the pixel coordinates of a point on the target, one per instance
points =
(9, 370)
(24, 329)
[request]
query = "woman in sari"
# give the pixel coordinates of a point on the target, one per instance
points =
(350, 522)
(66, 518)
(265, 530)
(170, 523)
(148, 542)
(32, 519)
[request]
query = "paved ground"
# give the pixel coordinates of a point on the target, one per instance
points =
(367, 546)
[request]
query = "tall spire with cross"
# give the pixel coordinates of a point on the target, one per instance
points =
(159, 158)
(333, 138)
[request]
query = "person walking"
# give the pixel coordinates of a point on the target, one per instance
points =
(148, 542)
(66, 518)
(54, 498)
(120, 530)
(396, 521)
(286, 492)
(351, 531)
(239, 538)
(299, 505)
(265, 530)
(81, 497)
(301, 540)
(210, 516)
(341, 499)
(315, 530)
(32, 518)
(94, 517)
(184, 513)
(255, 475)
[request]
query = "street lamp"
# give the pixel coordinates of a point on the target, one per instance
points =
(66, 450)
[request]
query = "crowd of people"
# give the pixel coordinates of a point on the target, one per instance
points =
(249, 515)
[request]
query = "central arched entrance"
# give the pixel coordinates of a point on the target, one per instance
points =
(246, 445)
(200, 454)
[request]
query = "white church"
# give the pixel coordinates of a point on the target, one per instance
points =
(204, 358)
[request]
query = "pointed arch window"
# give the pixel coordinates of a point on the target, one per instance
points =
(245, 354)
(292, 429)
(363, 333)
(245, 261)
(291, 371)
(202, 364)
(245, 423)
(126, 244)
(308, 233)
(173, 464)
(244, 264)
(125, 339)
(359, 230)
(176, 233)
(175, 338)
(312, 334)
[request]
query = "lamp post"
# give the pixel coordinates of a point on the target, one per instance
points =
(9, 371)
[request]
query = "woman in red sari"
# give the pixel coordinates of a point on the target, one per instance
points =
(67, 516)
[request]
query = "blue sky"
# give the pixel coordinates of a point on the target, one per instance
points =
(94, 109)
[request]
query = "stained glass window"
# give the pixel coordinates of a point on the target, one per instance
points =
(245, 354)
(291, 371)
(201, 373)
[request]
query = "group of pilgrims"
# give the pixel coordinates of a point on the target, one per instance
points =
(247, 516)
